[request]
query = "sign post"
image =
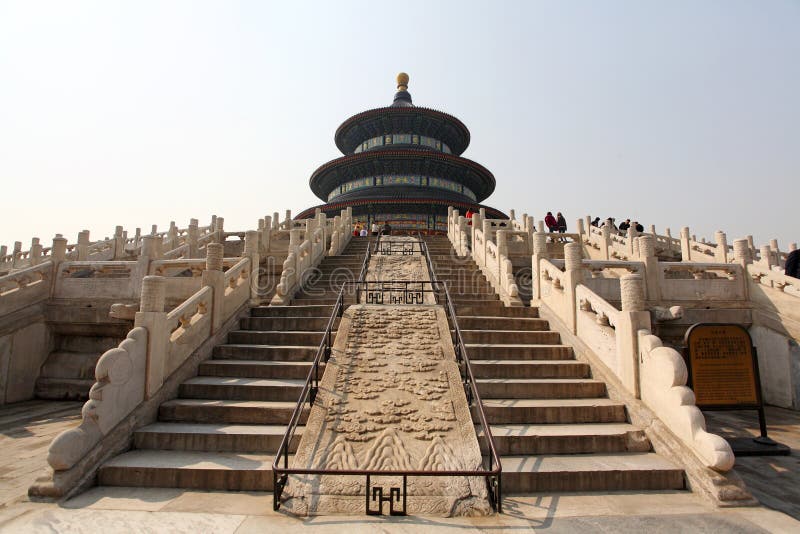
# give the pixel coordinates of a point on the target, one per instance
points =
(723, 373)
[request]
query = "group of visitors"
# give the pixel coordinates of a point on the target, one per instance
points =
(621, 229)
(557, 224)
(375, 229)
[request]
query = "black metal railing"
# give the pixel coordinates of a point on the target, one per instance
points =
(490, 468)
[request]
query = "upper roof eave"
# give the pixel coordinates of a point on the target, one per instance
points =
(458, 144)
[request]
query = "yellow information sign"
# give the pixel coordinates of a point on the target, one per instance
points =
(722, 365)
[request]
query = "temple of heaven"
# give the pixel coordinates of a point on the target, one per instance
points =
(402, 164)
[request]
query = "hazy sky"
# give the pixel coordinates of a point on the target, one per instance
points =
(673, 113)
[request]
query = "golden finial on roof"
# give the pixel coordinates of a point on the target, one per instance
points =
(402, 82)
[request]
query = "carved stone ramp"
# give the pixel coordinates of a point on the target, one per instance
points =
(224, 427)
(391, 398)
(554, 426)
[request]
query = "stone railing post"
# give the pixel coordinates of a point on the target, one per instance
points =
(83, 245)
(540, 226)
(295, 239)
(153, 318)
(36, 252)
(581, 230)
(266, 238)
(742, 256)
(119, 243)
(632, 243)
(539, 252)
(686, 244)
(15, 256)
(172, 236)
(721, 252)
(766, 257)
(668, 233)
(512, 215)
(214, 278)
(647, 254)
(573, 275)
(137, 238)
(192, 238)
(287, 221)
(606, 230)
(633, 317)
(58, 252)
(463, 236)
(741, 253)
(219, 230)
(251, 251)
(752, 245)
(501, 239)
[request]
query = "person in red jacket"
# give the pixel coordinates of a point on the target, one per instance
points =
(551, 222)
(468, 216)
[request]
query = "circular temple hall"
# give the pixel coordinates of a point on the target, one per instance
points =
(402, 165)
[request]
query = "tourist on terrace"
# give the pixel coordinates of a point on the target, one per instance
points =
(596, 222)
(387, 229)
(638, 226)
(363, 232)
(468, 216)
(551, 222)
(561, 223)
(375, 228)
(356, 231)
(624, 225)
(792, 267)
(610, 223)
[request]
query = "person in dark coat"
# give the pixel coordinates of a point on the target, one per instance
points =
(638, 226)
(596, 222)
(624, 225)
(387, 229)
(792, 267)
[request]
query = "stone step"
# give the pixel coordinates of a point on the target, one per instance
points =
(291, 311)
(489, 322)
(511, 337)
(590, 472)
(189, 470)
(63, 388)
(229, 411)
(257, 369)
(558, 411)
(225, 388)
(470, 291)
(214, 437)
(296, 324)
(272, 337)
(497, 309)
(529, 368)
(487, 351)
(474, 300)
(540, 388)
(292, 353)
(327, 301)
(567, 439)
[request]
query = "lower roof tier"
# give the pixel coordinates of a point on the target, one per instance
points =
(332, 175)
(405, 207)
